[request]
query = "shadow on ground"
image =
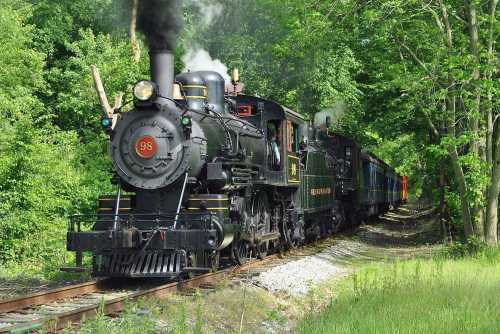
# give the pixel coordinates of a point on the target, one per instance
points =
(402, 228)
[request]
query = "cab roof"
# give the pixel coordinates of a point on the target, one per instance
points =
(272, 108)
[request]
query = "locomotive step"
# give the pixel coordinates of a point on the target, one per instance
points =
(73, 269)
(268, 237)
(198, 270)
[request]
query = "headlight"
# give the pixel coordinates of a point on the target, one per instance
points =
(144, 90)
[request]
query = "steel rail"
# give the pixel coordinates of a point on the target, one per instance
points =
(48, 296)
(61, 321)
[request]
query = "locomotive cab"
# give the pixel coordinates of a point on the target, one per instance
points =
(284, 133)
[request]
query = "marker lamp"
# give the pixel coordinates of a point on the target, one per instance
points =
(186, 120)
(106, 122)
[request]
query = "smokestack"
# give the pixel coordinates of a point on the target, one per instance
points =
(161, 21)
(162, 73)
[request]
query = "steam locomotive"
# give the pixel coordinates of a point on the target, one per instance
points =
(203, 177)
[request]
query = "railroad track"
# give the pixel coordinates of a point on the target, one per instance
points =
(54, 310)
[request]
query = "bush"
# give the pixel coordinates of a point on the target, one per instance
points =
(53, 154)
(46, 174)
(470, 247)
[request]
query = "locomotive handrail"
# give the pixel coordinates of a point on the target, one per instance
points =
(229, 119)
(224, 118)
(159, 220)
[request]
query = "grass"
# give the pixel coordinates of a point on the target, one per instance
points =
(22, 278)
(134, 319)
(219, 312)
(439, 295)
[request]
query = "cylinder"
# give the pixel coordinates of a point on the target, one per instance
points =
(162, 73)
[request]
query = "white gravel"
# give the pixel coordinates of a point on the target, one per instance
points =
(297, 277)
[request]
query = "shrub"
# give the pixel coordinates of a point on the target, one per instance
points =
(472, 246)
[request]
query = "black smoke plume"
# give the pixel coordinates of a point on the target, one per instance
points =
(160, 21)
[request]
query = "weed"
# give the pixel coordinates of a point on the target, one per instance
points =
(198, 326)
(274, 315)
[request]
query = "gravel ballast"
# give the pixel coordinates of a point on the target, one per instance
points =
(297, 277)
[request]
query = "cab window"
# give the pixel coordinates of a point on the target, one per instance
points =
(293, 137)
(274, 145)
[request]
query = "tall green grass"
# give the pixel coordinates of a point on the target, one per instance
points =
(419, 296)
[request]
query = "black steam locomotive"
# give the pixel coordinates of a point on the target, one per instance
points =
(204, 177)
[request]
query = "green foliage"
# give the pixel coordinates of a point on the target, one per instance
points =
(288, 51)
(59, 22)
(45, 174)
(74, 98)
(31, 168)
(470, 247)
(453, 206)
(38, 188)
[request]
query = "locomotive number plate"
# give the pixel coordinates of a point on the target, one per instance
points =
(293, 169)
(146, 147)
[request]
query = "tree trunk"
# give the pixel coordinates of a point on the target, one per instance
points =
(462, 189)
(473, 42)
(493, 193)
(133, 36)
(459, 172)
(492, 141)
(489, 131)
(489, 115)
(450, 106)
(474, 113)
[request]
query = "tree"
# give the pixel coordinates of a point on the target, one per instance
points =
(37, 187)
(288, 51)
(438, 60)
(423, 73)
(53, 155)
